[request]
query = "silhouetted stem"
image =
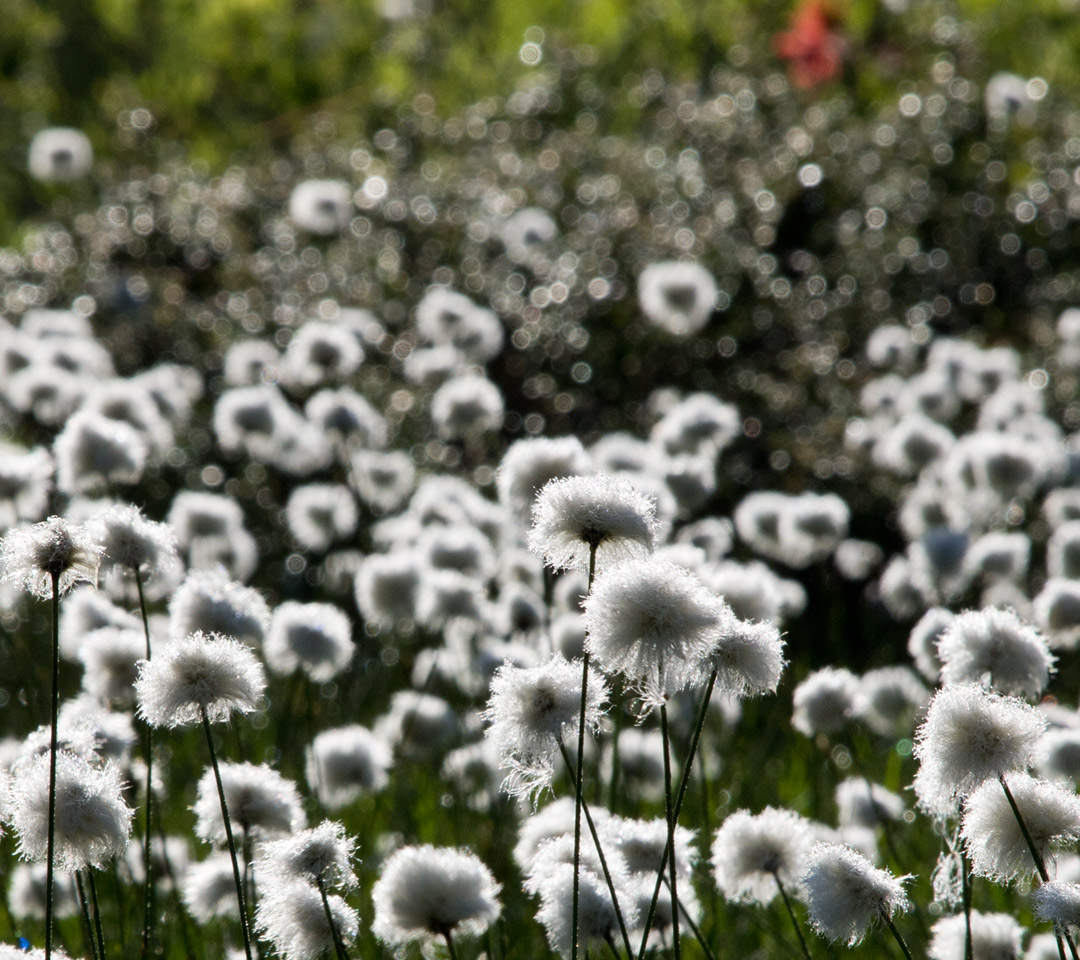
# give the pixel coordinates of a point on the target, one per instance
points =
(794, 919)
(228, 836)
(669, 803)
(896, 933)
(52, 764)
(600, 854)
(148, 888)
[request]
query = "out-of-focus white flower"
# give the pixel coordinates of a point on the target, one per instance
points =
(60, 154)
(679, 297)
(322, 207)
(751, 852)
(262, 803)
(344, 762)
(426, 892)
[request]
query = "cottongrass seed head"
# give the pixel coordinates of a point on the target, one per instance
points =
(130, 542)
(323, 853)
(430, 891)
(845, 893)
(208, 889)
(92, 819)
(993, 838)
(995, 646)
(532, 710)
(751, 851)
(968, 736)
(652, 621)
(32, 556)
(597, 920)
(292, 916)
(1058, 902)
(199, 674)
(994, 936)
(748, 658)
(574, 515)
(262, 803)
(313, 637)
(346, 761)
(825, 701)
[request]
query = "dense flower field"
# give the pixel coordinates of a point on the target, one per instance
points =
(357, 499)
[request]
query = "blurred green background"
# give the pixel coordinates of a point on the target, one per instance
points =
(220, 77)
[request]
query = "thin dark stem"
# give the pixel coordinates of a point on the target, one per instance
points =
(580, 779)
(791, 913)
(965, 893)
(696, 931)
(611, 946)
(450, 944)
(1035, 855)
(617, 710)
(49, 879)
(339, 947)
(1069, 940)
(1040, 864)
(896, 933)
(669, 803)
(148, 884)
(228, 836)
(97, 912)
(683, 784)
(600, 854)
(88, 927)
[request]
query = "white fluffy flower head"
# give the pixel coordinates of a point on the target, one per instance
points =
(968, 736)
(575, 515)
(532, 710)
(432, 891)
(652, 621)
(995, 645)
(752, 851)
(846, 893)
(33, 556)
(92, 819)
(202, 673)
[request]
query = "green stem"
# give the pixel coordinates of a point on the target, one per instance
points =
(580, 766)
(613, 784)
(1035, 855)
(696, 931)
(97, 912)
(148, 886)
(600, 854)
(896, 933)
(669, 804)
(52, 764)
(450, 944)
(791, 913)
(339, 947)
(1040, 864)
(683, 784)
(88, 927)
(228, 835)
(965, 892)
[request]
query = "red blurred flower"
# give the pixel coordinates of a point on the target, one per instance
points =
(813, 50)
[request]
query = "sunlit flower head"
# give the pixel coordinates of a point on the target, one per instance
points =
(425, 892)
(846, 893)
(751, 851)
(575, 515)
(60, 155)
(321, 207)
(677, 296)
(652, 621)
(262, 803)
(196, 675)
(35, 556)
